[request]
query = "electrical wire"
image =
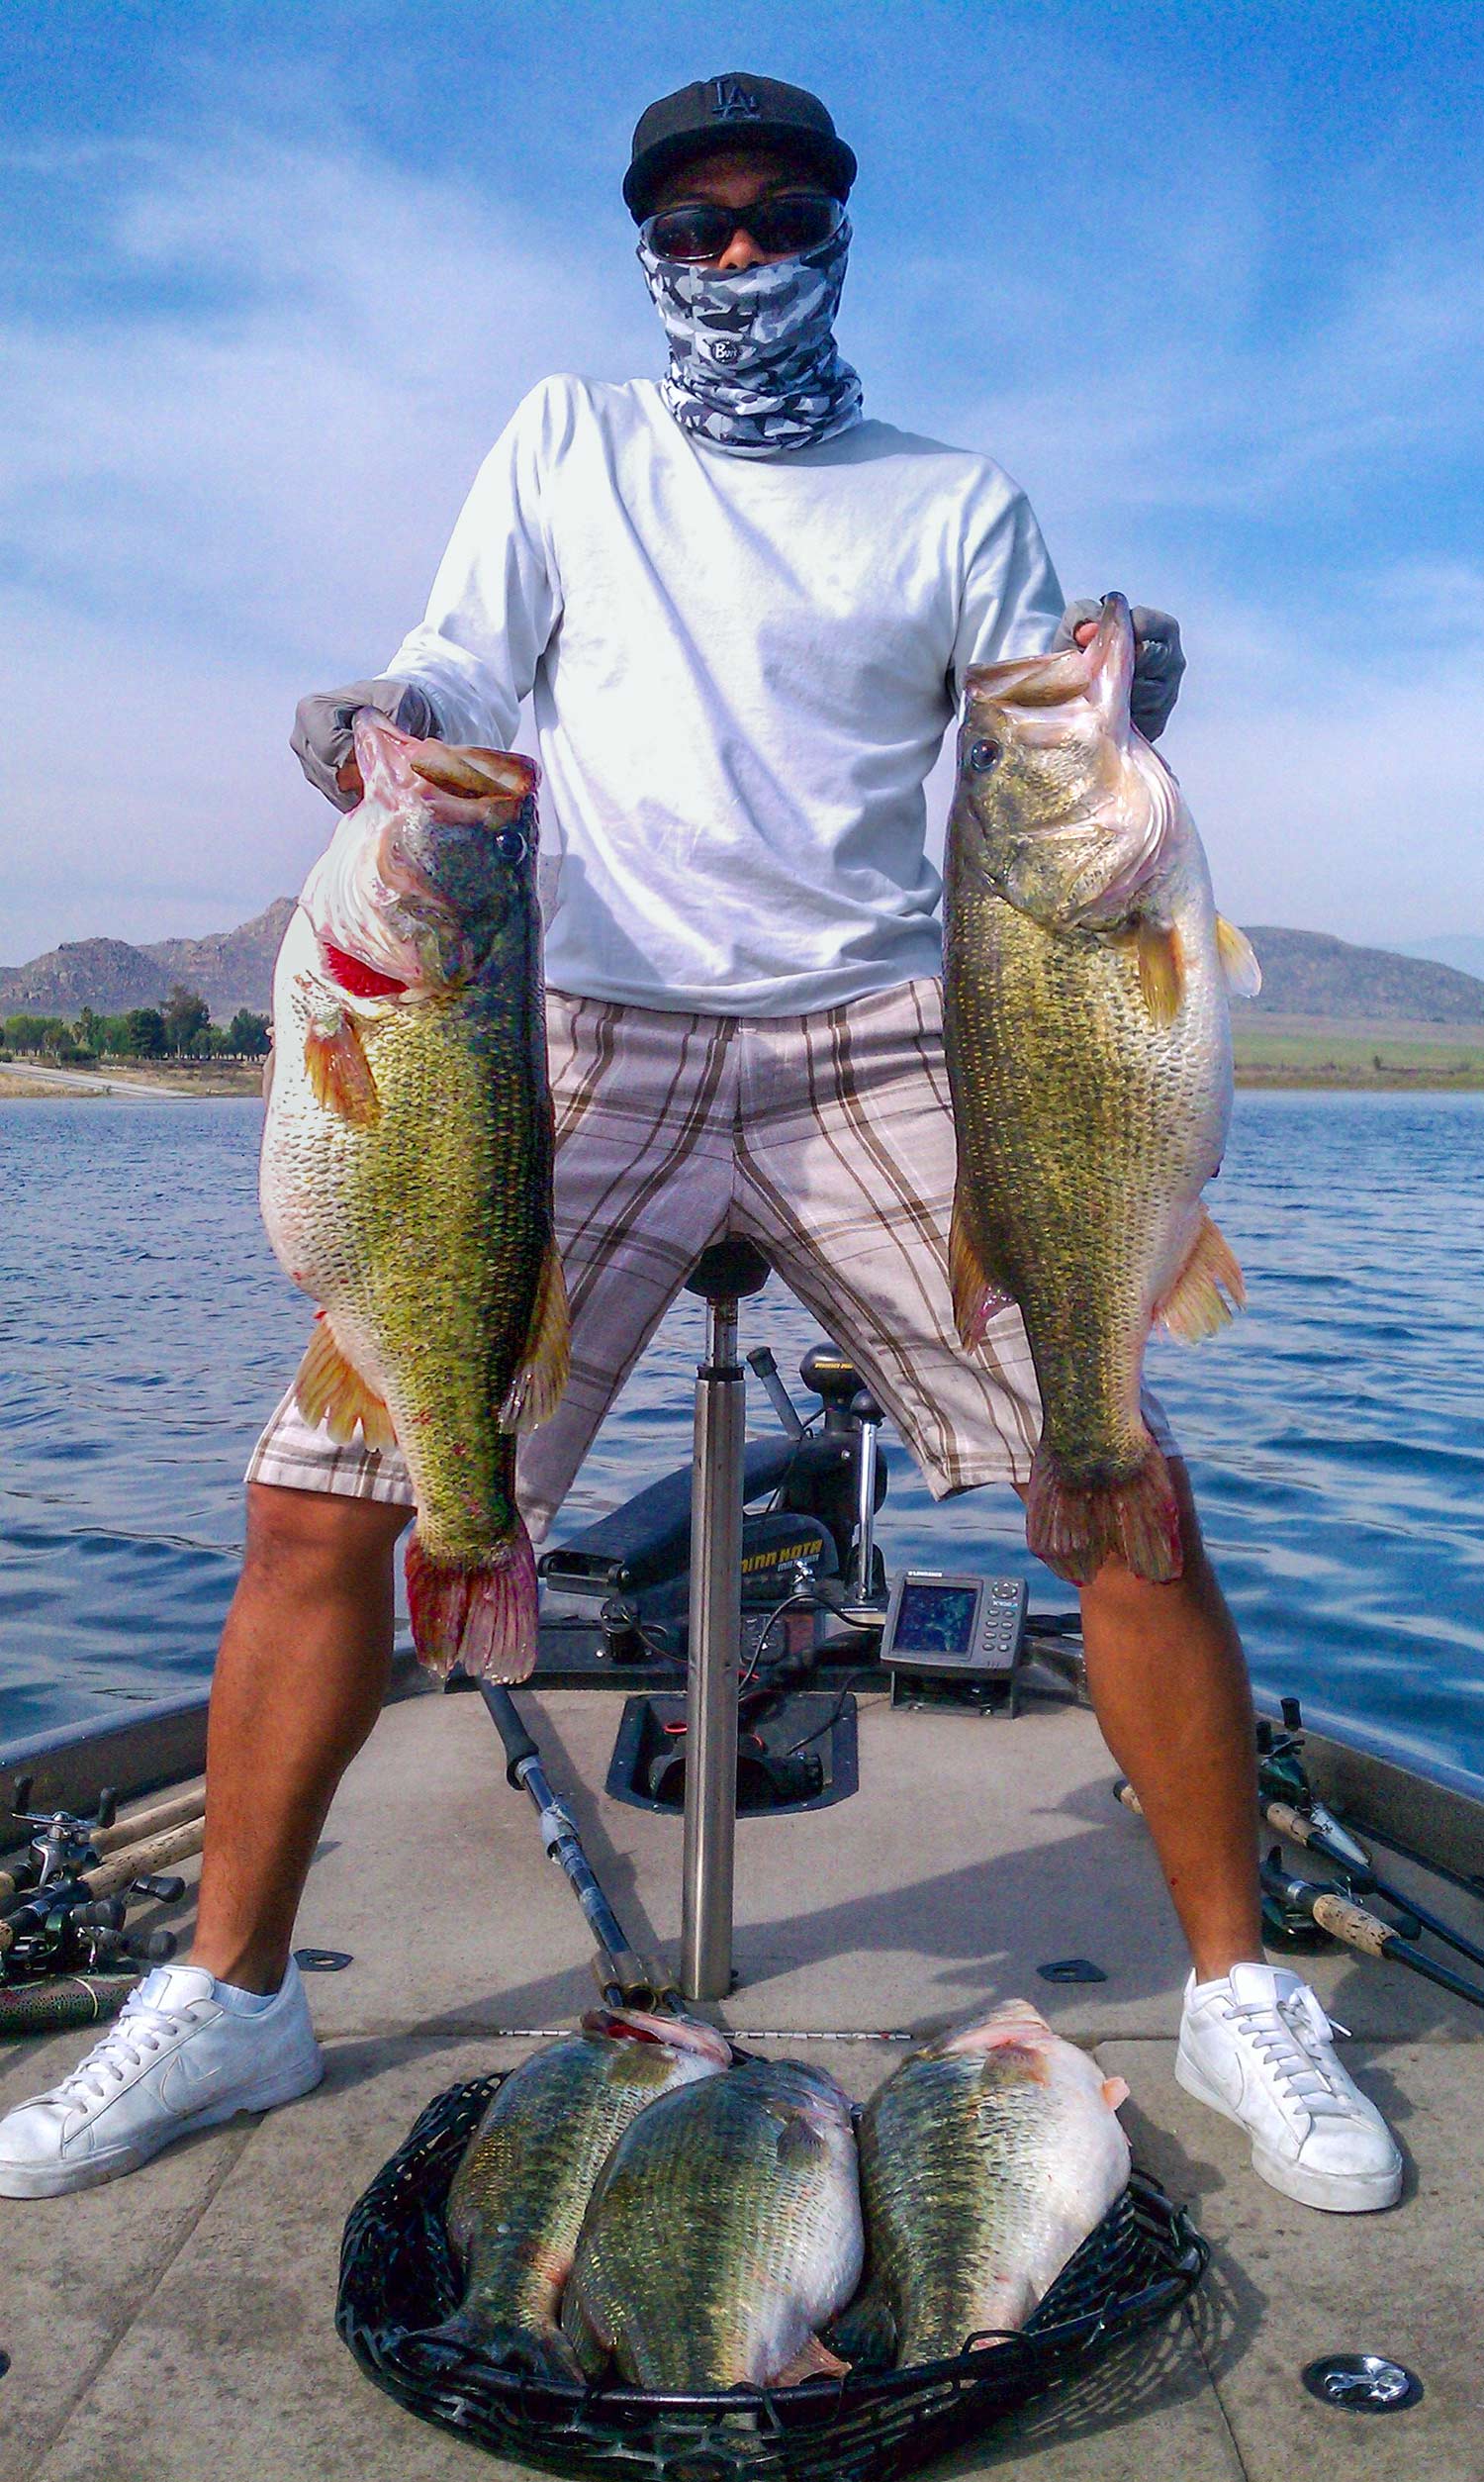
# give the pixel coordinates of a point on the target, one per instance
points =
(857, 1680)
(796, 1594)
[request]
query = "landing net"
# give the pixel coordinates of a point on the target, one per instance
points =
(397, 2274)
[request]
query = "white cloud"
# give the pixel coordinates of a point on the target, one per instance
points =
(238, 493)
(1339, 788)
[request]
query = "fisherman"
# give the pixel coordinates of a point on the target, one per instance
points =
(745, 611)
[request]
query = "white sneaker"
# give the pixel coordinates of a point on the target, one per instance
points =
(175, 2058)
(1256, 2047)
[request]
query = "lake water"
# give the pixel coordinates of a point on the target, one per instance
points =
(1336, 1434)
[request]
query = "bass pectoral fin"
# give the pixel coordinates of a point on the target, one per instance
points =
(1161, 971)
(340, 1072)
(536, 1390)
(331, 1389)
(975, 1298)
(1195, 1304)
(801, 2143)
(813, 2359)
(587, 2329)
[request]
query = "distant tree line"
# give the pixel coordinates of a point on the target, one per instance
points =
(181, 1030)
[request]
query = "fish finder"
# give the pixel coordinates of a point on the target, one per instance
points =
(949, 1629)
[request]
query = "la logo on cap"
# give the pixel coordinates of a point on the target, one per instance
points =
(732, 101)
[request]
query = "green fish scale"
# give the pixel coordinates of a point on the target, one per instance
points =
(699, 2235)
(424, 1234)
(1085, 1132)
(519, 2194)
(953, 2163)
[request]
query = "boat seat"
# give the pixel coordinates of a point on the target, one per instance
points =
(729, 1269)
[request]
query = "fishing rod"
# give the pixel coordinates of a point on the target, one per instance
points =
(1332, 1908)
(1287, 1802)
(1319, 1832)
(624, 1979)
(69, 1845)
(1289, 1805)
(63, 1908)
(1335, 1912)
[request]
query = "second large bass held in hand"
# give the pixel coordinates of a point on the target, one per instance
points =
(1089, 1057)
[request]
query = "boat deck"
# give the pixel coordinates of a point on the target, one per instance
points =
(178, 2324)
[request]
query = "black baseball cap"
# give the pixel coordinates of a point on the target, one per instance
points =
(718, 113)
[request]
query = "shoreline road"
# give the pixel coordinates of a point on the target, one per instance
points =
(89, 1081)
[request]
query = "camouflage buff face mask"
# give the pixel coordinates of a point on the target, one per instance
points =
(754, 367)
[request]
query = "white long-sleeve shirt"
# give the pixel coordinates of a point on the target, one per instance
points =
(742, 672)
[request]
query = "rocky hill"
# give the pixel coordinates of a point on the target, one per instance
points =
(102, 973)
(1306, 973)
(231, 970)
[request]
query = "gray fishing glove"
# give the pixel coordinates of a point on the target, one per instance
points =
(1159, 660)
(323, 737)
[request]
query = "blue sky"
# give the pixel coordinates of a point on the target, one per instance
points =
(1209, 282)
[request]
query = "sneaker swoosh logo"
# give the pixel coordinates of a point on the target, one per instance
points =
(188, 2084)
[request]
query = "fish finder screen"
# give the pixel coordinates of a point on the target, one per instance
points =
(935, 1619)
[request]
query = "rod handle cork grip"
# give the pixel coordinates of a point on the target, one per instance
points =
(176, 1812)
(139, 1860)
(1353, 1924)
(1289, 1821)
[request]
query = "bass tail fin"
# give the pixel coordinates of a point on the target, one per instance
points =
(540, 2352)
(1074, 1527)
(483, 1617)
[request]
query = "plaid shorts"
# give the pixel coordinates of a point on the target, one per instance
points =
(827, 1140)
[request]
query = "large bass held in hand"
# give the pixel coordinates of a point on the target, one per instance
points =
(406, 1177)
(1090, 1058)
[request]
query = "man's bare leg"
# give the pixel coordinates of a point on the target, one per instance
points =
(300, 1680)
(1168, 1681)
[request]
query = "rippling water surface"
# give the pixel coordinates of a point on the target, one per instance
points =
(1337, 1434)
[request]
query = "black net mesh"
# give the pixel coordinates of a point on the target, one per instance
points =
(397, 2275)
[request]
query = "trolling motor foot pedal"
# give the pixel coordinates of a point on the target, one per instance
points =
(801, 1754)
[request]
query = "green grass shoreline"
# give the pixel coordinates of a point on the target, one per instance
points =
(1339, 1054)
(1360, 1081)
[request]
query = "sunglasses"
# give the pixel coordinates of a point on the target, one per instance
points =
(783, 227)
